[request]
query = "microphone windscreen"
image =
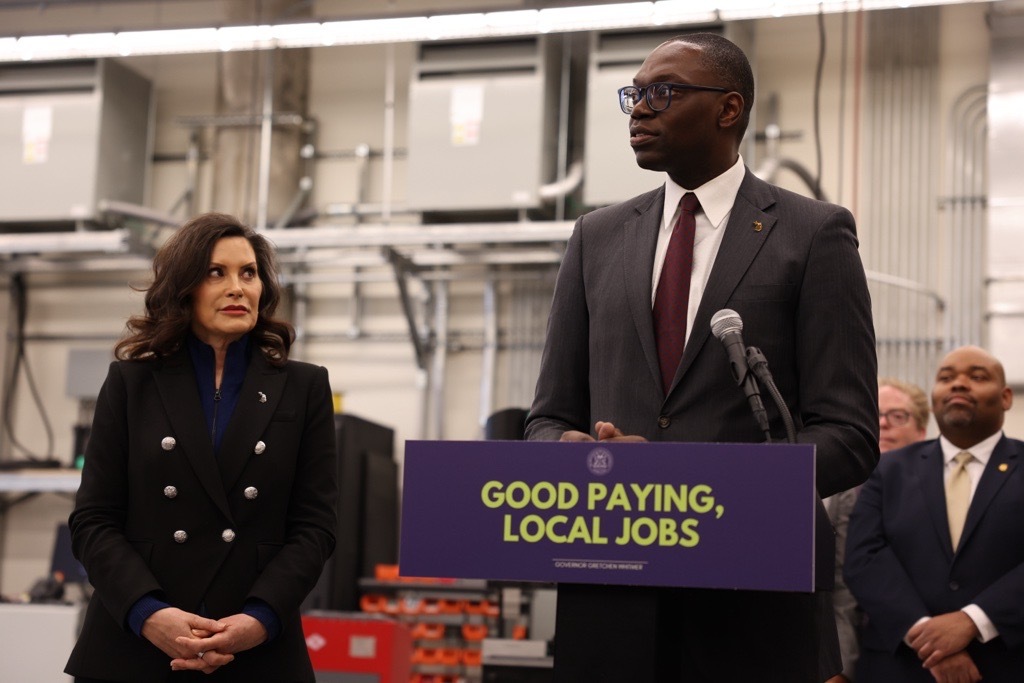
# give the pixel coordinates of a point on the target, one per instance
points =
(726, 321)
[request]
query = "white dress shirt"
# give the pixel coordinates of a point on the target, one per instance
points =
(716, 198)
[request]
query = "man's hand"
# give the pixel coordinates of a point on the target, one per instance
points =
(941, 636)
(166, 627)
(956, 668)
(239, 632)
(573, 435)
(606, 431)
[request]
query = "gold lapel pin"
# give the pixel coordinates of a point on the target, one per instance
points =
(263, 397)
(1003, 467)
(757, 226)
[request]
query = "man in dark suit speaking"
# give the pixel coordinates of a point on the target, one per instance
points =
(629, 356)
(935, 555)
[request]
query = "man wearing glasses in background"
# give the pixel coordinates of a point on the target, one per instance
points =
(629, 356)
(902, 420)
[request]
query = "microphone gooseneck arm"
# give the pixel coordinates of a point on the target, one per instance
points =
(758, 364)
(757, 406)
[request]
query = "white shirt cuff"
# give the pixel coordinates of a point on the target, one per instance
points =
(986, 629)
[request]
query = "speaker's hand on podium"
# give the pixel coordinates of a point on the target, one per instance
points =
(606, 431)
(574, 435)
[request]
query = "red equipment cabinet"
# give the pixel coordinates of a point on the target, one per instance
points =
(356, 643)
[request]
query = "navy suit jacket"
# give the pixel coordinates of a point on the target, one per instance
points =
(279, 442)
(901, 566)
(789, 266)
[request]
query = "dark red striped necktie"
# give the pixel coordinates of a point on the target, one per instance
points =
(673, 297)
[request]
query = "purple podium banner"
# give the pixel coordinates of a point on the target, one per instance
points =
(656, 514)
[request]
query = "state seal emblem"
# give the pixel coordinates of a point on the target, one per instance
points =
(599, 461)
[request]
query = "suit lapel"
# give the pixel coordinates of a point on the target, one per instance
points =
(1000, 466)
(251, 416)
(932, 482)
(740, 244)
(176, 382)
(639, 241)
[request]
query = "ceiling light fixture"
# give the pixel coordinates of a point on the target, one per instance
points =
(626, 15)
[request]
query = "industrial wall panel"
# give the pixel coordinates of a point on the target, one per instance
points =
(71, 135)
(48, 156)
(1005, 249)
(475, 143)
(482, 125)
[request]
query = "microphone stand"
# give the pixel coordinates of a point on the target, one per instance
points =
(822, 523)
(758, 364)
(749, 386)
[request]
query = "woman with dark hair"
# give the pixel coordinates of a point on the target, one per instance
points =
(206, 509)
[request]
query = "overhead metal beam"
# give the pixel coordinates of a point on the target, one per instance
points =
(99, 241)
(414, 234)
(403, 267)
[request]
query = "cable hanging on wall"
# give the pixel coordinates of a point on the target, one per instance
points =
(20, 299)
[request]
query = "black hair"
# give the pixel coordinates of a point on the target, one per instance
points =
(730, 65)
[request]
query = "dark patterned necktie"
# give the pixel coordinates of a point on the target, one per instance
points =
(673, 297)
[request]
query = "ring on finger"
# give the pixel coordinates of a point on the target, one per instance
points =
(200, 654)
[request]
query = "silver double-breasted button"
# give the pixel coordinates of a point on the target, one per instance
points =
(168, 443)
(251, 492)
(180, 536)
(260, 447)
(171, 491)
(227, 535)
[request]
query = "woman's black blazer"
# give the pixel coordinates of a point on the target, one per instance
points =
(157, 511)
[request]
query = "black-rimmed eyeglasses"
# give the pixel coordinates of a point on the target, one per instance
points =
(659, 95)
(896, 417)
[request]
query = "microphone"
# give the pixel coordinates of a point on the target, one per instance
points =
(727, 326)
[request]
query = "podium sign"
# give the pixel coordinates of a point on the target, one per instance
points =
(657, 514)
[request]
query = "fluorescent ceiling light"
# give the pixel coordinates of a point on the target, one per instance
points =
(449, 26)
(245, 38)
(89, 43)
(40, 47)
(589, 18)
(166, 41)
(685, 12)
(402, 30)
(516, 21)
(419, 29)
